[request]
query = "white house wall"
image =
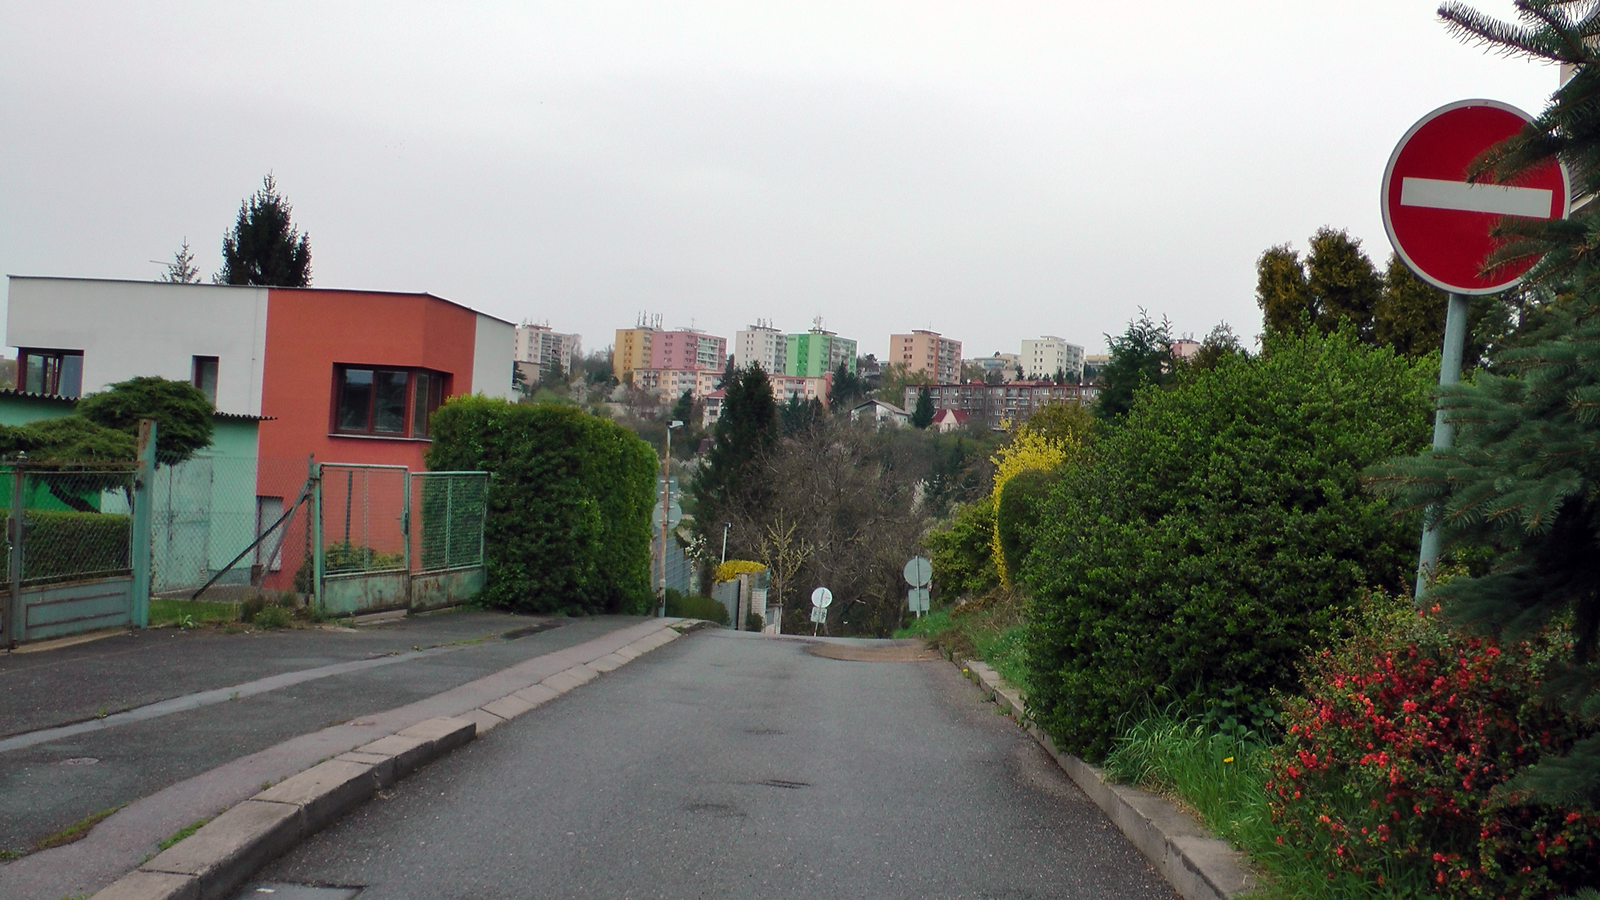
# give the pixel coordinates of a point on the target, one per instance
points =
(494, 348)
(131, 328)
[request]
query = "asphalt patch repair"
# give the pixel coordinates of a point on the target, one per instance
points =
(911, 651)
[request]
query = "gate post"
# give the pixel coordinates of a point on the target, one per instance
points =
(316, 536)
(17, 615)
(144, 476)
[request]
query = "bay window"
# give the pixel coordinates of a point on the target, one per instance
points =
(385, 402)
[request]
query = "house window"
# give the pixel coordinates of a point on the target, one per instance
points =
(203, 375)
(57, 372)
(385, 402)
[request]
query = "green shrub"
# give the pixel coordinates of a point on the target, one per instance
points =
(697, 608)
(569, 524)
(1020, 511)
(342, 557)
(1216, 532)
(63, 545)
(1393, 764)
(961, 551)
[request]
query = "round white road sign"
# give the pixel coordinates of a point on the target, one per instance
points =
(821, 597)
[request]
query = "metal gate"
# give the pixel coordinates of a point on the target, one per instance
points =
(385, 538)
(448, 513)
(361, 553)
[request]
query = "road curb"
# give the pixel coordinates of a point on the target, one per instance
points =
(1196, 864)
(223, 854)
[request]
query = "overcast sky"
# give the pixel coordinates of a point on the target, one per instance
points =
(992, 171)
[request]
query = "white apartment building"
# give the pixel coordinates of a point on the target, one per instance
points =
(1042, 358)
(539, 345)
(763, 345)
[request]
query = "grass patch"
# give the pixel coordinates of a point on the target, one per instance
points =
(183, 832)
(990, 628)
(199, 612)
(1222, 778)
(77, 831)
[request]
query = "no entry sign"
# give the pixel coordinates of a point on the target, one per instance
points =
(1437, 221)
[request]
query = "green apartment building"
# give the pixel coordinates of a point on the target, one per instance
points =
(816, 353)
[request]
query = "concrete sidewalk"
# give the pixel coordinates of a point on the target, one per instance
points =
(196, 723)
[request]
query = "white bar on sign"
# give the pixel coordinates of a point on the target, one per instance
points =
(1534, 203)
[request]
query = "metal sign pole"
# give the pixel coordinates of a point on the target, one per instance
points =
(1444, 432)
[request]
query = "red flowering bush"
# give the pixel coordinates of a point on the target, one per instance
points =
(1391, 761)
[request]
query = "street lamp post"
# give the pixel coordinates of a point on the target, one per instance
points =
(725, 527)
(666, 492)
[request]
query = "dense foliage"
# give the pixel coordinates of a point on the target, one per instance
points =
(962, 551)
(1392, 758)
(181, 412)
(1522, 482)
(1140, 356)
(1336, 283)
(1216, 532)
(264, 246)
(569, 524)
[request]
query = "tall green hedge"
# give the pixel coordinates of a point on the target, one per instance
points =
(1216, 532)
(569, 526)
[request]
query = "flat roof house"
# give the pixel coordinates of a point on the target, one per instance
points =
(345, 376)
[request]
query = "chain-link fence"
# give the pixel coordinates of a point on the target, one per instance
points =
(207, 510)
(363, 518)
(76, 522)
(447, 517)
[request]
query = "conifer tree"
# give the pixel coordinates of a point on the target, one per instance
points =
(182, 269)
(1139, 356)
(1523, 475)
(922, 416)
(264, 246)
(747, 429)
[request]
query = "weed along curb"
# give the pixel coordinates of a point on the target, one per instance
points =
(224, 853)
(1197, 865)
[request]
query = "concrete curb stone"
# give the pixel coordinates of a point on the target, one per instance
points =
(406, 754)
(223, 854)
(1196, 864)
(142, 885)
(220, 856)
(482, 720)
(324, 791)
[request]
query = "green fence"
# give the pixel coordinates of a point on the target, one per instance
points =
(447, 517)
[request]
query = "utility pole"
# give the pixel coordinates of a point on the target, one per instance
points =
(666, 491)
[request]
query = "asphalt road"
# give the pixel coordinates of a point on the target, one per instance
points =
(49, 785)
(733, 765)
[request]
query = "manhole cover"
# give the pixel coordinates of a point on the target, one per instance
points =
(80, 761)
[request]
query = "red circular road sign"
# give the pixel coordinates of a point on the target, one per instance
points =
(1437, 221)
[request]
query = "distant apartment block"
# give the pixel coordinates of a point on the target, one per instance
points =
(995, 405)
(1001, 367)
(649, 346)
(539, 345)
(762, 345)
(688, 348)
(1043, 358)
(671, 383)
(784, 389)
(1185, 348)
(817, 353)
(631, 350)
(927, 353)
(804, 387)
